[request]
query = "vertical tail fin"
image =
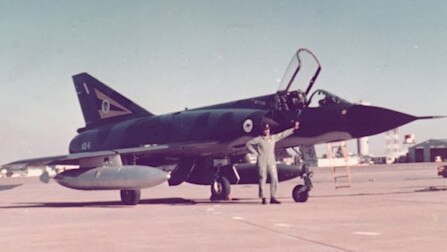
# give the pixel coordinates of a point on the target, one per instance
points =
(101, 104)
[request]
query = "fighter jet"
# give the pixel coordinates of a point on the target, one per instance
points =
(125, 147)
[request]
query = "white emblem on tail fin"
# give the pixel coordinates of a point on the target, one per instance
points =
(86, 88)
(105, 106)
(109, 107)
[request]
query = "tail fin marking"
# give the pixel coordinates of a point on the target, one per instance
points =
(108, 107)
(101, 104)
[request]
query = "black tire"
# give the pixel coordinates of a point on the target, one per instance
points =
(130, 197)
(298, 195)
(220, 189)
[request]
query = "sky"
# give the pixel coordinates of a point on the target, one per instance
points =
(168, 55)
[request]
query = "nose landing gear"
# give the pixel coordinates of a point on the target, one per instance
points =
(301, 192)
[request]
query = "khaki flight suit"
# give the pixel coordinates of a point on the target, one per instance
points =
(264, 148)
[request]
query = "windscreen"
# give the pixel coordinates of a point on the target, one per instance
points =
(321, 98)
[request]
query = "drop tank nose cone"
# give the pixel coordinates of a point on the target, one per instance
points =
(370, 120)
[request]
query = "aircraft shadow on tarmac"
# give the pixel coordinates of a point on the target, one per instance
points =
(118, 204)
(8, 187)
(183, 202)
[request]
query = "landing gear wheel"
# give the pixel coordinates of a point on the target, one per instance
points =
(300, 194)
(130, 197)
(220, 189)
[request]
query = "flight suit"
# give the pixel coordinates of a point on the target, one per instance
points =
(264, 148)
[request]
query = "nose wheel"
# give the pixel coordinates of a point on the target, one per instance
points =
(301, 192)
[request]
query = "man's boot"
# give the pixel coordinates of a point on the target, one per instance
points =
(274, 201)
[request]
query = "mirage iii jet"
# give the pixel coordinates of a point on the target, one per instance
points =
(125, 147)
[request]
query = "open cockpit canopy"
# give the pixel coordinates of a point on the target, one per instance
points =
(294, 92)
(299, 76)
(297, 81)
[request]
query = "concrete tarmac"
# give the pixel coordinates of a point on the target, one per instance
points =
(387, 208)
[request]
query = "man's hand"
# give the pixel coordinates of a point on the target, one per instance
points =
(296, 125)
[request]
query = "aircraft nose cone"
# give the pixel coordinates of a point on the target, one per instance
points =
(370, 120)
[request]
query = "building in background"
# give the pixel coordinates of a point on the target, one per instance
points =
(392, 146)
(363, 143)
(427, 151)
(363, 146)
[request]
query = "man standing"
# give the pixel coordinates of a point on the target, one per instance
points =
(264, 148)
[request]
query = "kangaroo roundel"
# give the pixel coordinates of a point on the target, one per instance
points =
(248, 126)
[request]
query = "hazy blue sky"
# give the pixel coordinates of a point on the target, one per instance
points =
(167, 55)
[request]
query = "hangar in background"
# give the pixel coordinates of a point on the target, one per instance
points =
(427, 151)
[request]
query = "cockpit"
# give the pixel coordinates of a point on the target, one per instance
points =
(294, 100)
(290, 97)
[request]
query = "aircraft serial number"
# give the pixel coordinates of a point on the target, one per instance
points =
(86, 145)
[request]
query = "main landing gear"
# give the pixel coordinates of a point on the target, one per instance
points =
(301, 192)
(130, 197)
(220, 189)
(220, 186)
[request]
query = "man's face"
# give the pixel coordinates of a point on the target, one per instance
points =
(266, 131)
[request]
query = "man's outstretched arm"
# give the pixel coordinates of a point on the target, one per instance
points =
(288, 132)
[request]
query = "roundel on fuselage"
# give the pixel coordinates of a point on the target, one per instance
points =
(247, 126)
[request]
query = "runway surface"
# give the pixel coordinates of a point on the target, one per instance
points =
(388, 208)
